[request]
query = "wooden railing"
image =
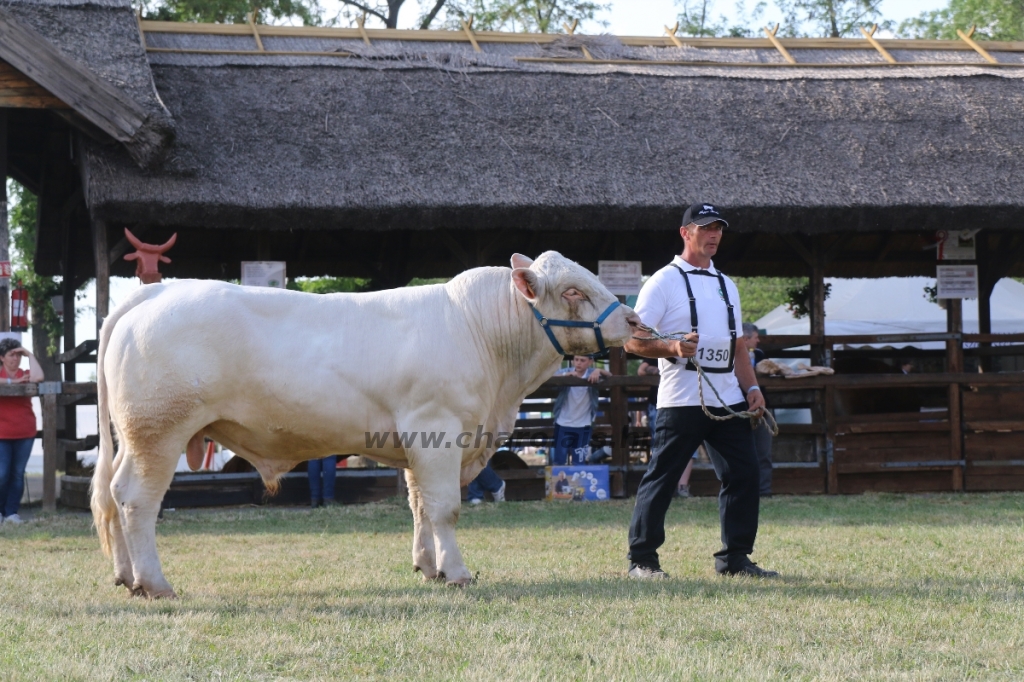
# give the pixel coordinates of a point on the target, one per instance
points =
(862, 435)
(972, 437)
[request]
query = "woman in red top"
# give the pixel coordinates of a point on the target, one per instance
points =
(17, 427)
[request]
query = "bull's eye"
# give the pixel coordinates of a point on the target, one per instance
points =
(573, 294)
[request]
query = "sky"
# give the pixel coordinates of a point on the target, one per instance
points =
(649, 17)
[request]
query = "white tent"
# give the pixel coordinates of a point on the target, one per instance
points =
(897, 305)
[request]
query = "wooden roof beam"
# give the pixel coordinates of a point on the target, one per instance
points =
(770, 32)
(870, 37)
(467, 26)
(95, 100)
(251, 19)
(966, 37)
(150, 26)
(671, 33)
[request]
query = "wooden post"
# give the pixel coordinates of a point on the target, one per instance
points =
(830, 426)
(48, 400)
(954, 325)
(956, 445)
(68, 292)
(5, 236)
(403, 487)
(818, 310)
(619, 418)
(986, 283)
(102, 257)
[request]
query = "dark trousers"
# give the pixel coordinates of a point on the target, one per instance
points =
(486, 481)
(569, 444)
(322, 476)
(14, 456)
(678, 432)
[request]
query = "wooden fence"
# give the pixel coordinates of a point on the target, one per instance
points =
(882, 432)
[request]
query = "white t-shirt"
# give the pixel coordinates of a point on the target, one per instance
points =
(576, 410)
(664, 305)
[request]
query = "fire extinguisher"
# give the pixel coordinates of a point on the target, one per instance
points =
(19, 309)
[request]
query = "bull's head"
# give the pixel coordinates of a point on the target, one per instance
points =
(559, 290)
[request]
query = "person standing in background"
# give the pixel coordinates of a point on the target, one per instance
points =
(17, 427)
(574, 411)
(323, 474)
(487, 481)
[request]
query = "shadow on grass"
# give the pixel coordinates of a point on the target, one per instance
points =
(420, 599)
(393, 516)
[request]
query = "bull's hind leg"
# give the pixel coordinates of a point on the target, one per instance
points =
(118, 546)
(423, 557)
(123, 574)
(138, 487)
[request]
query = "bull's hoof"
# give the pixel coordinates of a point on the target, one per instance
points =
(428, 574)
(127, 582)
(166, 594)
(140, 591)
(461, 582)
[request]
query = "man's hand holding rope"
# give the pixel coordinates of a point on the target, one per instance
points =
(685, 346)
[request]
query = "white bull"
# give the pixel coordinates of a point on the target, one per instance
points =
(280, 377)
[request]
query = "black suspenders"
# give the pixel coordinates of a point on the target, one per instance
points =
(693, 320)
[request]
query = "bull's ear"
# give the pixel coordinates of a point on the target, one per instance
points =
(520, 261)
(527, 282)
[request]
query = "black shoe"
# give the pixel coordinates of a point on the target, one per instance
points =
(316, 503)
(646, 572)
(751, 569)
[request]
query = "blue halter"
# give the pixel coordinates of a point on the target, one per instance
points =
(547, 324)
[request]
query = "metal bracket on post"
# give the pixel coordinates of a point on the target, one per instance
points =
(49, 387)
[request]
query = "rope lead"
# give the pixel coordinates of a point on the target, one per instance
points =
(755, 418)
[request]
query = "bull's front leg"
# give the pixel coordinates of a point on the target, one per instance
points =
(423, 557)
(436, 471)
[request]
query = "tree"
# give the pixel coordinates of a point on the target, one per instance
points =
(829, 18)
(761, 295)
(46, 325)
(327, 285)
(525, 16)
(309, 12)
(995, 20)
(696, 20)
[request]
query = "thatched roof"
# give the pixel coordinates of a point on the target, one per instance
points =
(88, 53)
(418, 135)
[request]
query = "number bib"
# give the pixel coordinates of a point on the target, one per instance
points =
(714, 353)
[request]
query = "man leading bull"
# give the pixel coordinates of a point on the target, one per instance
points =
(690, 294)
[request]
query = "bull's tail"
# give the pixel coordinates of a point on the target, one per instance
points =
(104, 508)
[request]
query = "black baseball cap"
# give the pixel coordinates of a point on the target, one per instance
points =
(703, 214)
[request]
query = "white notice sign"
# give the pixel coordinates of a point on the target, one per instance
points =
(622, 277)
(263, 273)
(957, 281)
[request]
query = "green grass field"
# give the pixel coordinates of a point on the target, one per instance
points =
(926, 587)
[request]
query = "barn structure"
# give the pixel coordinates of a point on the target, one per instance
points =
(390, 154)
